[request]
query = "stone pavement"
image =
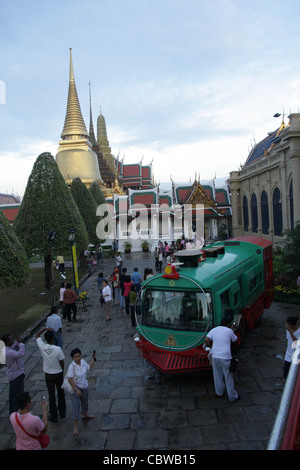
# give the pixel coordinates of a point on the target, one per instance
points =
(136, 408)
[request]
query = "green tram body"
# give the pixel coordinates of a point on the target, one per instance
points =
(178, 309)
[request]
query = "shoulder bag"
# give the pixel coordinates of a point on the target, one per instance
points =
(66, 384)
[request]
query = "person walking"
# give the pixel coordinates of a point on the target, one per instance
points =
(53, 322)
(292, 334)
(69, 298)
(32, 424)
(61, 264)
(220, 339)
(106, 294)
(77, 377)
(53, 367)
(14, 352)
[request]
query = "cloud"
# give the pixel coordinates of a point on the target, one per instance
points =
(16, 166)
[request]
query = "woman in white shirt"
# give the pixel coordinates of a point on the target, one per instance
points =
(77, 377)
(106, 294)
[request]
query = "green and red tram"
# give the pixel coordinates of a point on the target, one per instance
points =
(179, 307)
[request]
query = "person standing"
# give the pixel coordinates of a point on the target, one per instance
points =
(53, 366)
(132, 304)
(77, 377)
(137, 279)
(61, 295)
(119, 260)
(292, 334)
(116, 285)
(54, 323)
(122, 280)
(127, 287)
(14, 359)
(32, 424)
(160, 260)
(156, 258)
(106, 294)
(69, 302)
(220, 339)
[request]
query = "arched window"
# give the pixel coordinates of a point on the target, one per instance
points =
(245, 213)
(254, 213)
(264, 213)
(291, 198)
(277, 212)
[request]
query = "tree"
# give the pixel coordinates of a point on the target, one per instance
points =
(48, 206)
(290, 253)
(97, 193)
(14, 266)
(87, 208)
(99, 199)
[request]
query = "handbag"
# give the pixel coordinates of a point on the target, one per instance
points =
(43, 438)
(66, 384)
(233, 364)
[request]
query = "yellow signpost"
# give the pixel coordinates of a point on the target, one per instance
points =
(75, 266)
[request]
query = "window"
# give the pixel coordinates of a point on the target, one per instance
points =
(176, 310)
(245, 213)
(277, 212)
(225, 303)
(264, 213)
(254, 213)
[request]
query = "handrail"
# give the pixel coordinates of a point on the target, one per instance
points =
(279, 428)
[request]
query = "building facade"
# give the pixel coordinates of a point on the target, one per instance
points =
(265, 192)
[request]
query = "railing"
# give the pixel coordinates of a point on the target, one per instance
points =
(286, 428)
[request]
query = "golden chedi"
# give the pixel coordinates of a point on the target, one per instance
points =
(75, 157)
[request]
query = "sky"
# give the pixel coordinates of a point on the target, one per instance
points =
(188, 85)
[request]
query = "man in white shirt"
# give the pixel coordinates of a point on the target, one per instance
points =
(53, 366)
(220, 339)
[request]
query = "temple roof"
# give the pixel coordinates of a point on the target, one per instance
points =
(263, 148)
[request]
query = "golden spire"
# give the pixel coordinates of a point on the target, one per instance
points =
(74, 123)
(91, 130)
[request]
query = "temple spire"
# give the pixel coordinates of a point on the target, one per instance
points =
(74, 124)
(91, 130)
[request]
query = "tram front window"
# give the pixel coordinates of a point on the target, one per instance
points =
(176, 310)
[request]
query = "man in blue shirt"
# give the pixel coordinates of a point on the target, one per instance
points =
(136, 278)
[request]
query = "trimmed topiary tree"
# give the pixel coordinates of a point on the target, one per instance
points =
(87, 208)
(97, 194)
(14, 266)
(48, 206)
